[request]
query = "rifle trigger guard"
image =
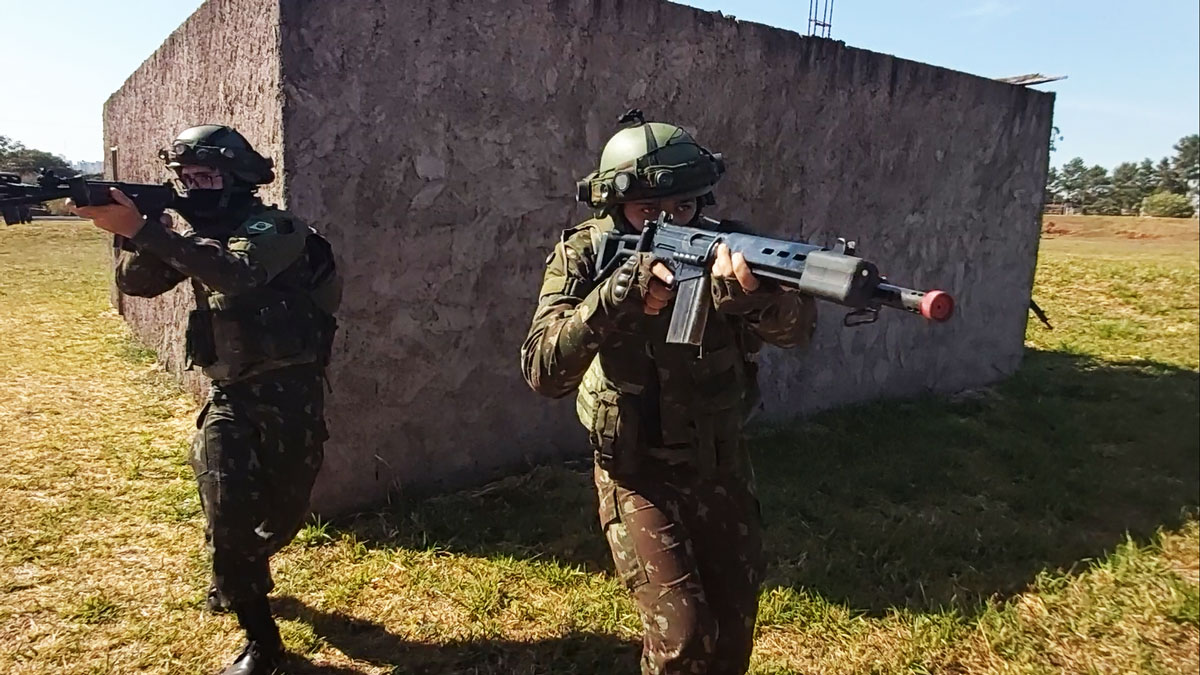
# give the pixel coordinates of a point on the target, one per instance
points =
(867, 314)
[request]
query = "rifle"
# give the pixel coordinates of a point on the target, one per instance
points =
(151, 200)
(833, 274)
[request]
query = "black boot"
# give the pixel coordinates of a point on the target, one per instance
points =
(216, 602)
(263, 652)
(255, 660)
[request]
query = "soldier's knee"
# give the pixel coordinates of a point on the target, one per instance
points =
(686, 632)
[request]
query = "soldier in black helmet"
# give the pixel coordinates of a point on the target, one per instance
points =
(266, 291)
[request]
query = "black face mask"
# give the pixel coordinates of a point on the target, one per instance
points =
(204, 212)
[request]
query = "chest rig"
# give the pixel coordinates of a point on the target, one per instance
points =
(287, 321)
(643, 400)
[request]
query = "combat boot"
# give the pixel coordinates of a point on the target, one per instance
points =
(255, 659)
(263, 652)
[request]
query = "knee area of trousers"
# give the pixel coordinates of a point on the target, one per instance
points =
(685, 626)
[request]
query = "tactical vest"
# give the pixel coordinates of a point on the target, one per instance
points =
(288, 321)
(642, 398)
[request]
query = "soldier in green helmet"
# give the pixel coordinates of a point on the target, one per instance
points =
(266, 290)
(672, 471)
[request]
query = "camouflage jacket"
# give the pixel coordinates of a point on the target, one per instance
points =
(638, 396)
(265, 293)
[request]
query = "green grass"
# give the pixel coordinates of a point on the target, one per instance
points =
(1047, 524)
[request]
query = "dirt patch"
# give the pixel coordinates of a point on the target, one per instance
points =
(1052, 229)
(1122, 227)
(1134, 234)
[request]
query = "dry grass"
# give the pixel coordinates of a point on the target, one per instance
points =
(1045, 526)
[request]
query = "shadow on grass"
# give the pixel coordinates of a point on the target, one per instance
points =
(361, 640)
(924, 504)
(945, 502)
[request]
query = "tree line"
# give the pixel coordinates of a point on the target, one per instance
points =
(15, 157)
(1164, 189)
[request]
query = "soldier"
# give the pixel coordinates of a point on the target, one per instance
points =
(266, 291)
(675, 484)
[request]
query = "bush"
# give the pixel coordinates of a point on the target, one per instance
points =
(1167, 205)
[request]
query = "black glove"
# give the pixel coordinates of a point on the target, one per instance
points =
(626, 289)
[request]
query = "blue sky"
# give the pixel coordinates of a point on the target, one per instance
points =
(1133, 68)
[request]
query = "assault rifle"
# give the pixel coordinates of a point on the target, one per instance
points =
(151, 200)
(833, 274)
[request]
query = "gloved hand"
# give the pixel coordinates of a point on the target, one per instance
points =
(642, 282)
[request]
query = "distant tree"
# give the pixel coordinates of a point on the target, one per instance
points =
(1051, 192)
(1167, 179)
(1187, 163)
(1097, 189)
(1072, 180)
(1147, 178)
(1126, 191)
(1187, 157)
(8, 146)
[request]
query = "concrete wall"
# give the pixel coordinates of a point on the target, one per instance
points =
(220, 66)
(437, 143)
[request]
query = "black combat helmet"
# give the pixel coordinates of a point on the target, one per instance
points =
(220, 147)
(242, 170)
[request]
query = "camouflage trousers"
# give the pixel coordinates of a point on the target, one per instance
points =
(690, 550)
(256, 455)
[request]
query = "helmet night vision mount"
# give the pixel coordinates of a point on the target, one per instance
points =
(220, 147)
(650, 160)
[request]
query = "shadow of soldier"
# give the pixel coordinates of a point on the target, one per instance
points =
(548, 512)
(923, 504)
(371, 642)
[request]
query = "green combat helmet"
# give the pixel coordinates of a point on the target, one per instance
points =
(650, 160)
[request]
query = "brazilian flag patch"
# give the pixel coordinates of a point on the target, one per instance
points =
(260, 227)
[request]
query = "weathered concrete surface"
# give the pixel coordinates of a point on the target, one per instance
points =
(437, 144)
(220, 66)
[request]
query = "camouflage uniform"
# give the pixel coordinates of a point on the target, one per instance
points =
(266, 293)
(675, 483)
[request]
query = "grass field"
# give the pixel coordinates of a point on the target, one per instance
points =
(1046, 525)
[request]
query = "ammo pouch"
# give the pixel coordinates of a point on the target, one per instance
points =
(198, 348)
(615, 432)
(283, 329)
